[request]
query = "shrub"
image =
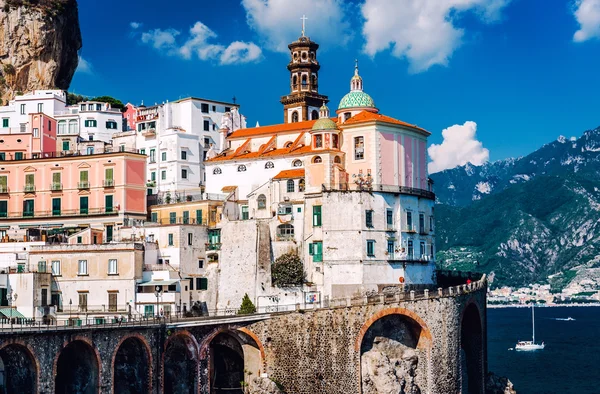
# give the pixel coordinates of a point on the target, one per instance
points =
(247, 306)
(288, 270)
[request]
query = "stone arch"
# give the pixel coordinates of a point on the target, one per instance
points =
(314, 114)
(132, 365)
(77, 368)
(472, 369)
(295, 117)
(396, 341)
(20, 368)
(233, 356)
(180, 364)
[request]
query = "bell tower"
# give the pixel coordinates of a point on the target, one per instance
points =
(303, 101)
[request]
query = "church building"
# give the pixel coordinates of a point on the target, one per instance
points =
(348, 191)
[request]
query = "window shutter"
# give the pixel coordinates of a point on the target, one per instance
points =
(311, 249)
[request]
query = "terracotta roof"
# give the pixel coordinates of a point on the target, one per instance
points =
(366, 116)
(272, 129)
(288, 174)
(228, 189)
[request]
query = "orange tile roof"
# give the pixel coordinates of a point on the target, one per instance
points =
(272, 129)
(228, 189)
(366, 116)
(287, 174)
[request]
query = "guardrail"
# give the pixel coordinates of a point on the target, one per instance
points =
(408, 293)
(347, 187)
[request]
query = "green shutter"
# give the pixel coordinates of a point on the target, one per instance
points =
(29, 179)
(318, 252)
(172, 217)
(198, 216)
(108, 203)
(83, 176)
(108, 174)
(83, 205)
(56, 178)
(56, 206)
(186, 217)
(154, 217)
(3, 209)
(311, 249)
(203, 284)
(65, 145)
(316, 216)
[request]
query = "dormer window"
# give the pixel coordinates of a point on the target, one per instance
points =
(317, 159)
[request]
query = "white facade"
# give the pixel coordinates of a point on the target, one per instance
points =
(177, 137)
(96, 121)
(15, 116)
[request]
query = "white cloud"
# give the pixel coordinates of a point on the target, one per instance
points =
(240, 52)
(422, 31)
(197, 45)
(587, 13)
(84, 67)
(459, 147)
(160, 39)
(278, 21)
(135, 25)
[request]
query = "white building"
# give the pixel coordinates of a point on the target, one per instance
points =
(15, 115)
(177, 137)
(90, 120)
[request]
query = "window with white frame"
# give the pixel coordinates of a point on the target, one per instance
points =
(112, 267)
(56, 267)
(82, 267)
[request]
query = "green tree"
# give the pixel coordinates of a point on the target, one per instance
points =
(73, 98)
(247, 306)
(288, 270)
(115, 103)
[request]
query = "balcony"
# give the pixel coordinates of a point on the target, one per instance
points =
(83, 185)
(213, 246)
(408, 258)
(149, 132)
(29, 189)
(109, 183)
(379, 188)
(62, 213)
(151, 184)
(55, 187)
(409, 228)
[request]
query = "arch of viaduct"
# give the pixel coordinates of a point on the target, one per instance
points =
(441, 340)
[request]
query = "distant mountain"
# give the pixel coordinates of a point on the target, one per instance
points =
(524, 219)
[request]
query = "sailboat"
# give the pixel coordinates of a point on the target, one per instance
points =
(530, 345)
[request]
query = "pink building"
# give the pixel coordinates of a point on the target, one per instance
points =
(37, 138)
(129, 117)
(58, 196)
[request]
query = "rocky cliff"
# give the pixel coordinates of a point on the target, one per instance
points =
(39, 41)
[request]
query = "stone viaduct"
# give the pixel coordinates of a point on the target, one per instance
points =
(430, 341)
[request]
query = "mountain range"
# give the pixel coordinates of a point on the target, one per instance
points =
(533, 219)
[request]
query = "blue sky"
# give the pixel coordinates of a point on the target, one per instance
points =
(524, 71)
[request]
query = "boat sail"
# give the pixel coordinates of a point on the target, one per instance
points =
(530, 345)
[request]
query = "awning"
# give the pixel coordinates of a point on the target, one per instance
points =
(159, 282)
(4, 227)
(11, 312)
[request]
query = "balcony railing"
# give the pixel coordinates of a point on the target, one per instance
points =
(109, 183)
(62, 213)
(379, 188)
(408, 258)
(69, 153)
(213, 246)
(409, 228)
(148, 132)
(182, 220)
(56, 187)
(4, 189)
(29, 188)
(83, 185)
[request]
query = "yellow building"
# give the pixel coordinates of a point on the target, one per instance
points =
(204, 212)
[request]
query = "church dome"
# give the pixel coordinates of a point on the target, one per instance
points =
(325, 124)
(356, 99)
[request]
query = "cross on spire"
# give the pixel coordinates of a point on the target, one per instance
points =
(355, 66)
(304, 18)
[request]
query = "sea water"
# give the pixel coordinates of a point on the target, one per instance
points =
(570, 363)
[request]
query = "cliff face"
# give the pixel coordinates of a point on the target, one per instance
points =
(39, 41)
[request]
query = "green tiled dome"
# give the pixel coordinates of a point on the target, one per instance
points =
(356, 99)
(324, 124)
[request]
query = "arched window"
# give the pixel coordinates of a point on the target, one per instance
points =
(73, 126)
(318, 141)
(295, 81)
(285, 230)
(304, 80)
(317, 159)
(62, 127)
(294, 116)
(313, 79)
(288, 144)
(301, 185)
(335, 141)
(347, 115)
(297, 163)
(241, 168)
(269, 165)
(337, 160)
(314, 114)
(291, 187)
(217, 171)
(262, 201)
